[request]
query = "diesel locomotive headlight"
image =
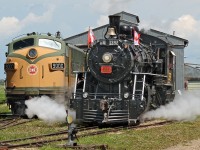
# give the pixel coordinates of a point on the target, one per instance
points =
(85, 95)
(126, 95)
(107, 57)
(32, 53)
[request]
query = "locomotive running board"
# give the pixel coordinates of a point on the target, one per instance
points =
(151, 74)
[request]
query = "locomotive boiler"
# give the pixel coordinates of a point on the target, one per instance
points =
(39, 64)
(123, 80)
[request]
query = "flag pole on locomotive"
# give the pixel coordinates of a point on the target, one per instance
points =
(72, 131)
(91, 38)
(136, 36)
(136, 42)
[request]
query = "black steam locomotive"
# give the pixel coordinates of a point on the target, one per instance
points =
(123, 80)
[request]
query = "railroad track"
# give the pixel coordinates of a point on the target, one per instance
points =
(8, 143)
(2, 121)
(8, 115)
(45, 135)
(10, 122)
(39, 140)
(6, 122)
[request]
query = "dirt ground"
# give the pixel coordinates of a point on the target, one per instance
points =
(192, 145)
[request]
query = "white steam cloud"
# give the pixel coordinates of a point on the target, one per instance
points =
(185, 107)
(46, 109)
(110, 7)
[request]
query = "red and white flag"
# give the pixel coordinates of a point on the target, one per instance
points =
(91, 37)
(136, 38)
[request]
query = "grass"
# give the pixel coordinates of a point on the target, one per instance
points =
(3, 106)
(149, 139)
(2, 94)
(146, 139)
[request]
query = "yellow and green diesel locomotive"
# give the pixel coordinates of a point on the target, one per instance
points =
(39, 64)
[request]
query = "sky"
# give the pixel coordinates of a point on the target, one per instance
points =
(72, 17)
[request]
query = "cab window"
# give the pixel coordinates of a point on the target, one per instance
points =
(50, 43)
(23, 43)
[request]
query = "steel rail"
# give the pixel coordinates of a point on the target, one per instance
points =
(45, 135)
(14, 123)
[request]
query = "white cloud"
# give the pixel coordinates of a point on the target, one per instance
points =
(12, 25)
(45, 17)
(186, 26)
(9, 25)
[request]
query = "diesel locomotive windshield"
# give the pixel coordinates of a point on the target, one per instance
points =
(23, 43)
(50, 43)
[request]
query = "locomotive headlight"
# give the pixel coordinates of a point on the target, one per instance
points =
(107, 57)
(126, 95)
(85, 95)
(32, 53)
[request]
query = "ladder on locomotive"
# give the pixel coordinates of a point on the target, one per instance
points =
(138, 86)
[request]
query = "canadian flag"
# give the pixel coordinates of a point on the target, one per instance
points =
(136, 38)
(91, 37)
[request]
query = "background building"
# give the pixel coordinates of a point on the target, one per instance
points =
(192, 76)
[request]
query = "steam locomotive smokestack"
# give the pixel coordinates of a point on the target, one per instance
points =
(114, 21)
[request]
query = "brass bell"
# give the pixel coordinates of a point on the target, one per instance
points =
(111, 32)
